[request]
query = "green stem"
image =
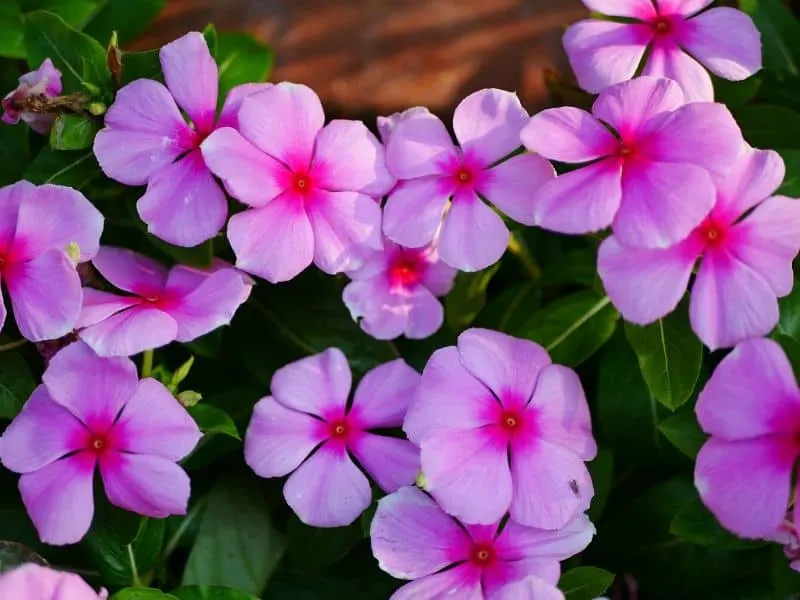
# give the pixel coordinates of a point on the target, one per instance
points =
(518, 247)
(147, 363)
(135, 581)
(13, 345)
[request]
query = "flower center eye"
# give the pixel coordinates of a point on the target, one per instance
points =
(464, 176)
(152, 299)
(511, 422)
(482, 554)
(302, 183)
(662, 25)
(338, 430)
(712, 233)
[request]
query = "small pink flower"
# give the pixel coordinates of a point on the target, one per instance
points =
(751, 408)
(746, 246)
(501, 428)
(439, 183)
(312, 186)
(394, 292)
(37, 226)
(32, 582)
(179, 304)
(307, 429)
(91, 412)
(44, 81)
(147, 141)
(677, 38)
(650, 177)
(413, 538)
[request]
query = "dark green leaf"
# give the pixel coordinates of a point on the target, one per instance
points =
(14, 139)
(780, 32)
(602, 472)
(684, 432)
(585, 583)
(791, 182)
(141, 65)
(75, 168)
(695, 524)
(16, 384)
(769, 126)
(779, 87)
(319, 548)
(512, 308)
(199, 256)
(789, 322)
(73, 132)
(467, 297)
(785, 580)
(13, 555)
(211, 419)
(74, 12)
(736, 93)
(210, 592)
(241, 59)
(792, 349)
(127, 18)
(12, 30)
(142, 593)
(212, 39)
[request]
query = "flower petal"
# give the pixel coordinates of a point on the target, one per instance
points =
(426, 315)
(462, 582)
(643, 10)
(391, 462)
(383, 395)
(131, 271)
(33, 582)
(568, 134)
(419, 147)
(229, 115)
(414, 210)
(193, 78)
(473, 236)
(667, 60)
(510, 186)
(685, 8)
(316, 385)
(131, 331)
(628, 106)
(530, 588)
(380, 313)
(11, 198)
(520, 542)
(754, 176)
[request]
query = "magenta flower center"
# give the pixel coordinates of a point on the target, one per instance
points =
(406, 271)
(483, 554)
(302, 183)
(711, 233)
(464, 176)
(626, 150)
(339, 430)
(97, 443)
(661, 25)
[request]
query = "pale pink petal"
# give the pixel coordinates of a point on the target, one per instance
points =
(229, 115)
(279, 439)
(462, 582)
(192, 77)
(667, 60)
(520, 542)
(131, 271)
(730, 302)
(467, 471)
(413, 537)
(754, 176)
(99, 306)
(746, 483)
(511, 185)
(419, 147)
(144, 132)
(275, 242)
(382, 314)
(59, 499)
(24, 448)
(391, 462)
(249, 175)
(147, 485)
(602, 53)
(386, 125)
(33, 582)
(131, 331)
(568, 134)
(317, 385)
(530, 588)
(283, 121)
(684, 8)
(635, 9)
(11, 198)
(349, 158)
(630, 105)
(344, 224)
(154, 422)
(643, 284)
(414, 210)
(425, 316)
(725, 40)
(328, 490)
(383, 395)
(183, 204)
(473, 236)
(581, 201)
(439, 277)
(487, 124)
(3, 312)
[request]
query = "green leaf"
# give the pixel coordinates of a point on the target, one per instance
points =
(467, 297)
(142, 593)
(585, 583)
(73, 132)
(199, 256)
(237, 545)
(16, 384)
(780, 32)
(74, 12)
(319, 548)
(769, 125)
(791, 182)
(669, 355)
(76, 168)
(684, 432)
(211, 419)
(695, 524)
(791, 347)
(210, 592)
(12, 30)
(13, 555)
(127, 18)
(511, 308)
(81, 59)
(736, 93)
(241, 59)
(212, 39)
(789, 321)
(602, 471)
(141, 65)
(785, 580)
(573, 327)
(15, 151)
(181, 373)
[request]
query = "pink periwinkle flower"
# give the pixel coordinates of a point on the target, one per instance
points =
(38, 226)
(44, 81)
(502, 429)
(147, 141)
(306, 428)
(746, 246)
(649, 176)
(440, 183)
(751, 408)
(179, 304)
(311, 186)
(680, 42)
(94, 412)
(34, 582)
(413, 538)
(395, 292)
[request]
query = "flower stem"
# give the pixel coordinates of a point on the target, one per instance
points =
(13, 345)
(147, 363)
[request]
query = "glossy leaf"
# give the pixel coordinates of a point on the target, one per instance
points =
(318, 548)
(789, 322)
(12, 30)
(684, 432)
(73, 132)
(467, 297)
(76, 168)
(780, 33)
(769, 126)
(16, 384)
(695, 524)
(791, 182)
(210, 592)
(213, 420)
(142, 593)
(585, 583)
(241, 59)
(602, 471)
(511, 308)
(75, 13)
(127, 18)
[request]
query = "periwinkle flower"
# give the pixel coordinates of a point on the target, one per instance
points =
(44, 82)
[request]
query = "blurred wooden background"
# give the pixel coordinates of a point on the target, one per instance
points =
(370, 57)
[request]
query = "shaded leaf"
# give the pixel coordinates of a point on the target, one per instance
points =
(73, 132)
(142, 593)
(12, 30)
(74, 12)
(769, 126)
(684, 432)
(212, 420)
(602, 471)
(791, 182)
(16, 384)
(467, 297)
(695, 524)
(241, 59)
(585, 583)
(76, 168)
(780, 32)
(127, 18)
(13, 555)
(210, 592)
(511, 308)
(318, 548)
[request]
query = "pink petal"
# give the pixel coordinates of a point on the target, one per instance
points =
(684, 8)
(33, 582)
(383, 395)
(463, 581)
(183, 204)
(413, 537)
(382, 314)
(391, 462)
(510, 185)
(153, 422)
(581, 201)
(602, 53)
(24, 448)
(414, 210)
(419, 147)
(192, 77)
(545, 479)
(448, 397)
(144, 132)
(439, 276)
(568, 134)
(473, 236)
(730, 302)
(667, 60)
(11, 198)
(283, 121)
(349, 158)
(328, 490)
(229, 115)
(275, 242)
(635, 9)
(630, 105)
(746, 483)
(386, 125)
(279, 439)
(344, 224)
(467, 472)
(131, 271)
(249, 175)
(487, 124)
(643, 284)
(530, 588)
(520, 542)
(3, 312)
(426, 315)
(317, 385)
(59, 499)
(147, 485)
(754, 176)
(752, 393)
(131, 331)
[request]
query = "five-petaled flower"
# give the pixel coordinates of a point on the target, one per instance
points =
(43, 82)
(34, 582)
